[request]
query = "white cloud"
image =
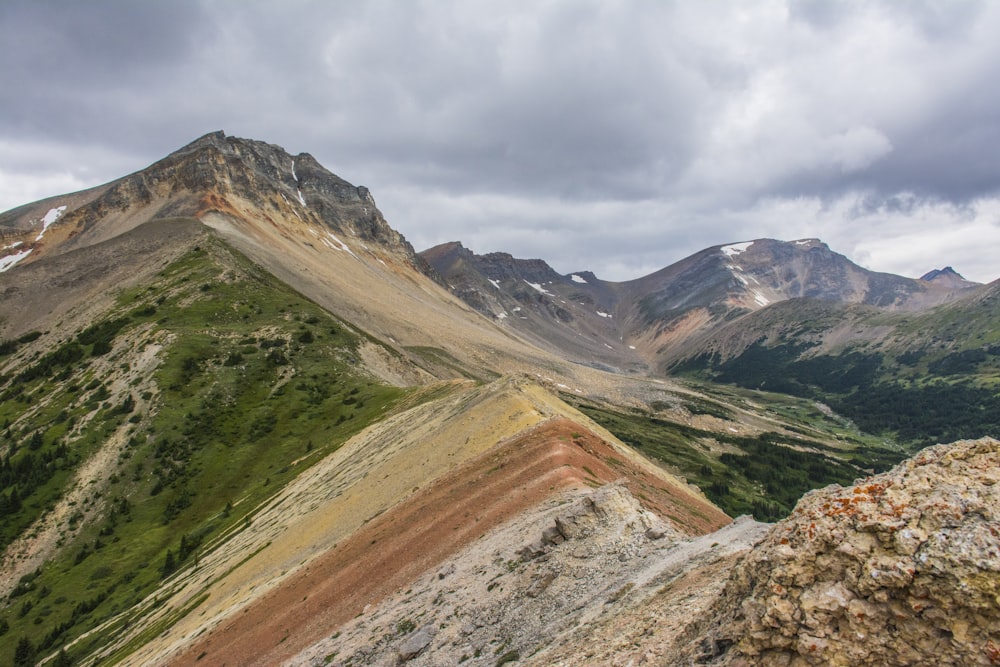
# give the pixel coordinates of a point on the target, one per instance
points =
(857, 147)
(33, 170)
(17, 189)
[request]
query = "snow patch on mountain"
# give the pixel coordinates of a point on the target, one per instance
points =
(578, 279)
(337, 244)
(539, 288)
(735, 248)
(11, 260)
(744, 278)
(302, 200)
(50, 218)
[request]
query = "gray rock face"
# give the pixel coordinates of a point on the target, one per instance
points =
(216, 172)
(416, 642)
(592, 514)
(492, 604)
(901, 569)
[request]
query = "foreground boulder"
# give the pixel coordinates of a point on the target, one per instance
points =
(901, 569)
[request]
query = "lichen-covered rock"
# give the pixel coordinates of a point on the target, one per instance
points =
(901, 569)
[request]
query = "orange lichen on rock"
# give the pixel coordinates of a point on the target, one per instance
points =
(916, 549)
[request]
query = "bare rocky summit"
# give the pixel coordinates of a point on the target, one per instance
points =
(946, 276)
(901, 569)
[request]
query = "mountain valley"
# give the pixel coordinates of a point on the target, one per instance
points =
(244, 422)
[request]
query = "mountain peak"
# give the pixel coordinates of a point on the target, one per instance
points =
(934, 274)
(215, 138)
(948, 277)
(245, 179)
(759, 245)
(587, 277)
(448, 246)
(446, 259)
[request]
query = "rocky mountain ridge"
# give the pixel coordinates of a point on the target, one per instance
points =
(792, 317)
(597, 555)
(188, 353)
(215, 173)
(645, 323)
(948, 276)
(899, 569)
(314, 230)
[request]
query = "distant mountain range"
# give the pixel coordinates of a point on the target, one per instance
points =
(647, 324)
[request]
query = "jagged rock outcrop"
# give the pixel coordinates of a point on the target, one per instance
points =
(596, 553)
(901, 569)
(216, 168)
(499, 285)
(595, 512)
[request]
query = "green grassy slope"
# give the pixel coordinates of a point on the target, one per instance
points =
(933, 377)
(250, 383)
(763, 475)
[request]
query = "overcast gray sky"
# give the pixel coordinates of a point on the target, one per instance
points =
(615, 136)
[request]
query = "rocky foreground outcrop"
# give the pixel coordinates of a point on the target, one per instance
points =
(901, 569)
(537, 591)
